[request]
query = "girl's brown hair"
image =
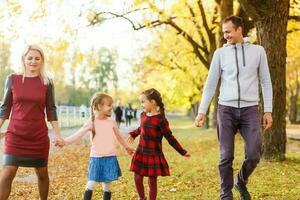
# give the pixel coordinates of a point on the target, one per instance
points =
(153, 94)
(97, 99)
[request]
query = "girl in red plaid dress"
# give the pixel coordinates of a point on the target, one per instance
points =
(149, 159)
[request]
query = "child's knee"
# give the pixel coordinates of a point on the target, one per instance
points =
(43, 176)
(138, 177)
(91, 185)
(106, 187)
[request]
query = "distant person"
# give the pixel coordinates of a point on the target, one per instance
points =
(148, 159)
(128, 115)
(135, 113)
(103, 165)
(118, 115)
(28, 97)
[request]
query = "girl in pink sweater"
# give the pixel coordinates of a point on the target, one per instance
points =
(103, 165)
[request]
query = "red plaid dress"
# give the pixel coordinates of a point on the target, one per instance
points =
(149, 159)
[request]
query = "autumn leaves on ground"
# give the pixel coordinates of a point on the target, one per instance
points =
(194, 178)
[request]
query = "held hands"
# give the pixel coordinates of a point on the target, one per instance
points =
(58, 140)
(200, 120)
(267, 120)
(130, 139)
(130, 151)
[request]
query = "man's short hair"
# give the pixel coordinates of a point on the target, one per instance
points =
(236, 21)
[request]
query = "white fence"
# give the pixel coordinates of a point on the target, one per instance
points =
(70, 116)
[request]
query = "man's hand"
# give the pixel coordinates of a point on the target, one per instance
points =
(200, 119)
(267, 120)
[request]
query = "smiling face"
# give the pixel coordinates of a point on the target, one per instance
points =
(106, 107)
(147, 105)
(231, 33)
(33, 62)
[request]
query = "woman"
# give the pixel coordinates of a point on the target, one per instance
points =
(26, 97)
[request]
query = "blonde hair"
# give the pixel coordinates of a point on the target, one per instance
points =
(43, 75)
(97, 99)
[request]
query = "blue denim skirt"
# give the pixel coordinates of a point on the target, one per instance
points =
(104, 169)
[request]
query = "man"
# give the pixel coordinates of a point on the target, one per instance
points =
(241, 67)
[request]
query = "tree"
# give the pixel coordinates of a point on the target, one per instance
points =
(191, 22)
(104, 72)
(293, 74)
(225, 10)
(270, 19)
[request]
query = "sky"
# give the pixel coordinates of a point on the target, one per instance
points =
(114, 34)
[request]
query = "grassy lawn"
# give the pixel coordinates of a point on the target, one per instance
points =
(194, 178)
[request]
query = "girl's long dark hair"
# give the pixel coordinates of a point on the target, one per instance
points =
(153, 94)
(97, 99)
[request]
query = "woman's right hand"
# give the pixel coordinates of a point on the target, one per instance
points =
(130, 139)
(59, 141)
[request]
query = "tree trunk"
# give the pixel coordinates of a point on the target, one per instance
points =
(248, 24)
(216, 103)
(293, 111)
(272, 35)
(226, 9)
(270, 18)
(193, 111)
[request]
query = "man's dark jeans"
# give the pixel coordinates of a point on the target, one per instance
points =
(230, 120)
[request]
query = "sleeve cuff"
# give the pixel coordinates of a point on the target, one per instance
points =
(201, 111)
(267, 109)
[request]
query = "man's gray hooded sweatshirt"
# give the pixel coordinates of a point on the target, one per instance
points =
(241, 67)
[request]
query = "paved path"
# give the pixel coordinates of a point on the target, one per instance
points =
(293, 133)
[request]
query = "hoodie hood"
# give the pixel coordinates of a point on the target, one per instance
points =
(245, 42)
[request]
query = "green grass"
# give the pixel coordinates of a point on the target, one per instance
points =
(194, 178)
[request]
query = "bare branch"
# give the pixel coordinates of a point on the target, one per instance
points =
(293, 30)
(203, 41)
(155, 23)
(194, 44)
(296, 18)
(209, 31)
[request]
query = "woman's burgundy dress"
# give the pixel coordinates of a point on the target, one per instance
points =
(26, 141)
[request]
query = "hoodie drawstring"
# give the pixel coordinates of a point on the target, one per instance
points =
(237, 75)
(244, 60)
